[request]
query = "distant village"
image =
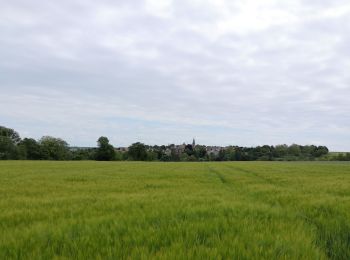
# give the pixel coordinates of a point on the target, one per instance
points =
(195, 152)
(178, 149)
(167, 152)
(13, 147)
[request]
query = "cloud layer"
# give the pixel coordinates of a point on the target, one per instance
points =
(225, 72)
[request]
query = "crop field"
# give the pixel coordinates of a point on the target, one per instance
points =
(125, 210)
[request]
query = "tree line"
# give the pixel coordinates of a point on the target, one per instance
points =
(12, 147)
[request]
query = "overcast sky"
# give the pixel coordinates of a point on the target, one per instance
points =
(245, 72)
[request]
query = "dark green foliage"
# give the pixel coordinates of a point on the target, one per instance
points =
(10, 133)
(165, 158)
(105, 151)
(7, 149)
(52, 148)
(200, 152)
(321, 150)
(83, 154)
(341, 157)
(189, 150)
(137, 152)
(29, 149)
(294, 150)
(8, 141)
(280, 151)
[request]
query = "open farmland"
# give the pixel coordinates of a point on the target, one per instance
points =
(236, 210)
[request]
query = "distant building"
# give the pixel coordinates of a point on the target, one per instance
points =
(78, 148)
(167, 151)
(179, 149)
(122, 149)
(215, 150)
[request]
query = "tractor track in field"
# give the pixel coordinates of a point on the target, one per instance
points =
(218, 174)
(255, 174)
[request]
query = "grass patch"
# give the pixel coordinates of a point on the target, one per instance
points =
(126, 210)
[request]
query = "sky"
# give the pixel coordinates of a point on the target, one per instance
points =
(226, 72)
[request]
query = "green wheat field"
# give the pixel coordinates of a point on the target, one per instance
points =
(130, 210)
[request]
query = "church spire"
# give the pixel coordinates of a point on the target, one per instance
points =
(193, 143)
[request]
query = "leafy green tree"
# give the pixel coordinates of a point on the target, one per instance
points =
(308, 151)
(8, 149)
(340, 157)
(347, 157)
(280, 150)
(238, 153)
(294, 150)
(212, 156)
(189, 150)
(321, 150)
(152, 156)
(137, 152)
(192, 158)
(200, 152)
(174, 156)
(83, 154)
(221, 156)
(11, 134)
(165, 158)
(52, 148)
(230, 153)
(184, 157)
(105, 151)
(9, 139)
(118, 156)
(29, 149)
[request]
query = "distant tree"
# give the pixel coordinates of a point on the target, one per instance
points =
(159, 151)
(221, 156)
(52, 148)
(105, 151)
(347, 157)
(308, 151)
(191, 158)
(29, 149)
(125, 156)
(294, 150)
(152, 155)
(83, 154)
(11, 134)
(8, 143)
(342, 157)
(118, 156)
(189, 149)
(230, 153)
(200, 152)
(247, 154)
(280, 150)
(165, 158)
(174, 156)
(267, 152)
(238, 153)
(137, 152)
(321, 150)
(8, 149)
(184, 157)
(262, 153)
